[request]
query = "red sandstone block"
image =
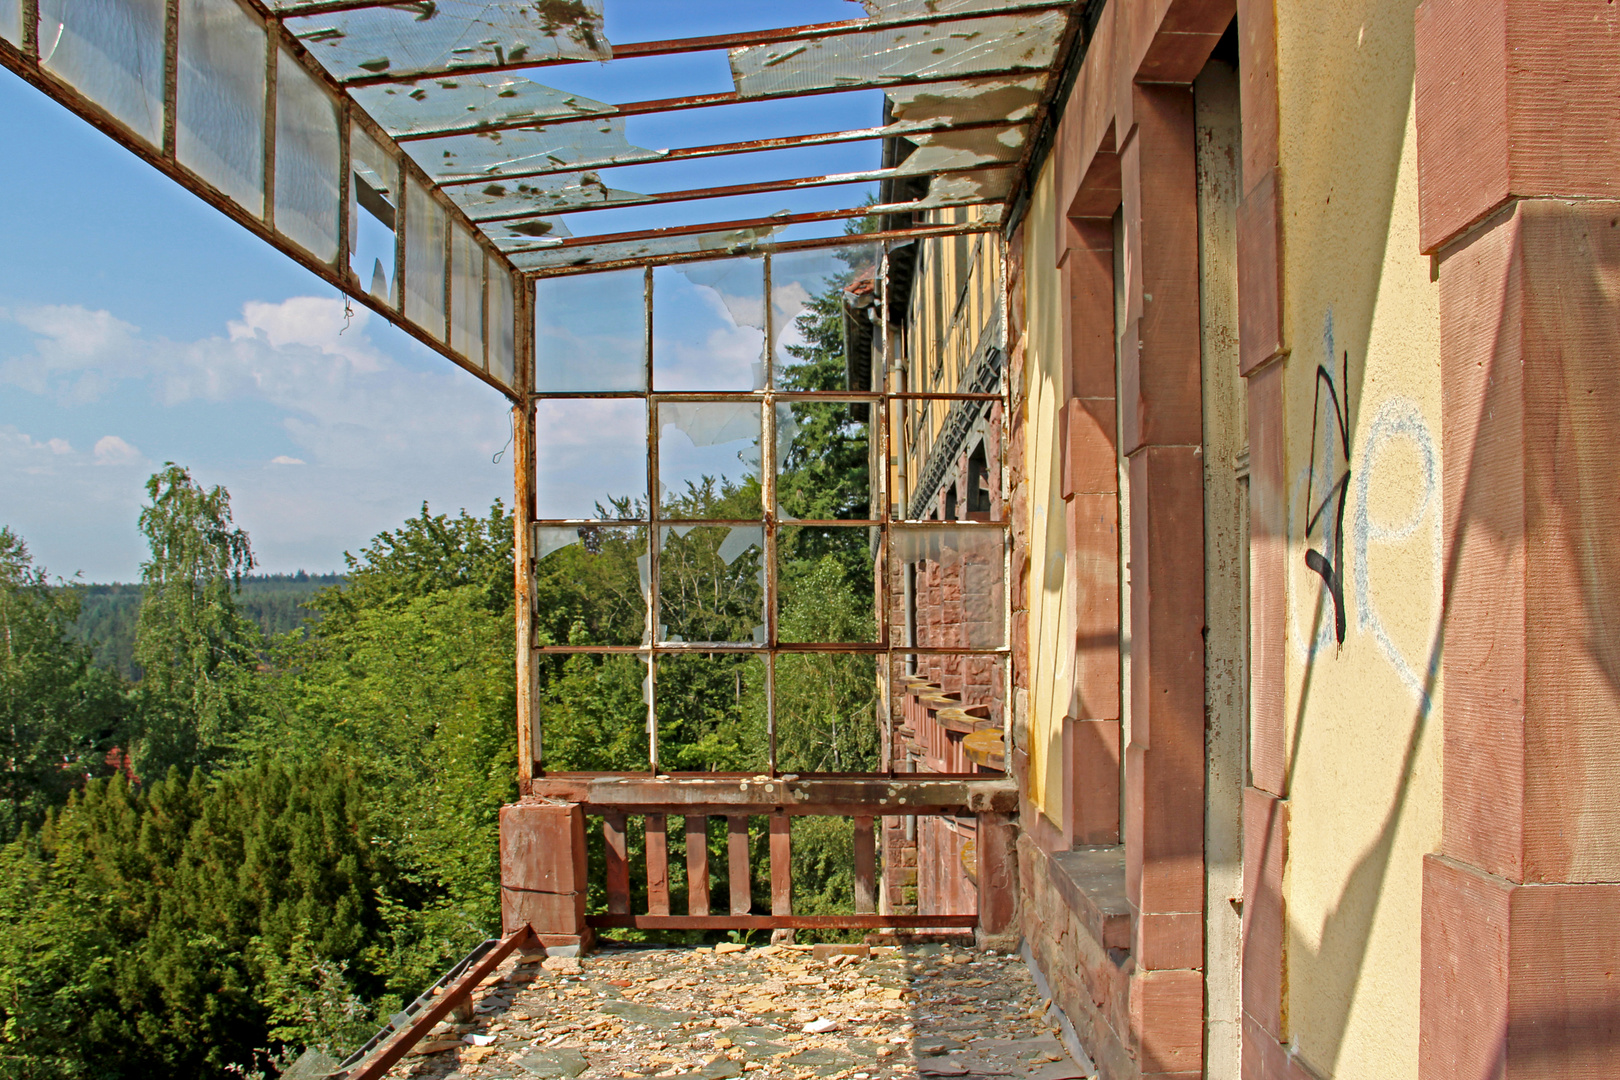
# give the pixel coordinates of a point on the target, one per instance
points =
(547, 913)
(1512, 99)
(1518, 980)
(1265, 848)
(1092, 524)
(1090, 464)
(1092, 757)
(1161, 362)
(1167, 1020)
(543, 848)
(1169, 940)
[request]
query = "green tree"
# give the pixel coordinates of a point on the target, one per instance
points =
(59, 714)
(195, 650)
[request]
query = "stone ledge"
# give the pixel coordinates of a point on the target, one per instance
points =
(1092, 881)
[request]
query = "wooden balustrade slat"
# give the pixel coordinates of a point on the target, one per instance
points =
(697, 865)
(657, 865)
(781, 865)
(618, 864)
(865, 867)
(742, 897)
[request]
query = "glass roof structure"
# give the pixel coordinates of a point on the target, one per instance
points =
(435, 158)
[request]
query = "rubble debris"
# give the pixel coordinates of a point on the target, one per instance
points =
(794, 1012)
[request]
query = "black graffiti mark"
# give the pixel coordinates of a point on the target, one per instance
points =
(1331, 568)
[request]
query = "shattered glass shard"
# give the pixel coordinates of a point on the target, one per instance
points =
(463, 102)
(732, 241)
(969, 47)
(540, 195)
(521, 150)
(422, 37)
(970, 101)
(940, 150)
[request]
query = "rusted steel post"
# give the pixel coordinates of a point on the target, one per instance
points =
(523, 581)
(697, 864)
(742, 886)
(618, 864)
(865, 867)
(657, 864)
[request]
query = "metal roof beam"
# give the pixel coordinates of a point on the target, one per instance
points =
(916, 232)
(761, 188)
(692, 153)
(775, 222)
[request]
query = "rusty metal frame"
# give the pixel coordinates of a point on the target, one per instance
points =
(750, 224)
(672, 46)
(435, 1007)
(769, 521)
(912, 233)
(765, 187)
(900, 129)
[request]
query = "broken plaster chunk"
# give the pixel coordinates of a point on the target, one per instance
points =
(730, 947)
(568, 965)
(820, 1027)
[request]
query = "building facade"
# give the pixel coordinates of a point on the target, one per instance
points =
(1315, 680)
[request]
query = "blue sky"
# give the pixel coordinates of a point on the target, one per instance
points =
(139, 326)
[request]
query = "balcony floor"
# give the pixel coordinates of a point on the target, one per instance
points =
(913, 1012)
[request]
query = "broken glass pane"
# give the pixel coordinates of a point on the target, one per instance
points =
(956, 189)
(457, 102)
(813, 282)
(952, 459)
(711, 713)
(708, 459)
(112, 52)
(219, 131)
(506, 235)
(709, 326)
(880, 10)
(593, 716)
(466, 294)
(591, 458)
(965, 47)
(726, 242)
(941, 150)
(970, 101)
(823, 459)
(537, 195)
(373, 215)
(488, 154)
(591, 584)
(826, 583)
(307, 147)
(956, 577)
(424, 259)
(590, 332)
(428, 36)
(827, 707)
(711, 584)
(11, 21)
(502, 306)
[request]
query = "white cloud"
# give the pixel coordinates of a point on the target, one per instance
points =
(111, 450)
(377, 436)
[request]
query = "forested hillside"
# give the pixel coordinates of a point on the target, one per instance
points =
(271, 841)
(107, 613)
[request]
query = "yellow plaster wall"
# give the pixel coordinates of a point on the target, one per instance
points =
(1363, 717)
(1041, 396)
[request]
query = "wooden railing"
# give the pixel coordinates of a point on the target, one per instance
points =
(693, 800)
